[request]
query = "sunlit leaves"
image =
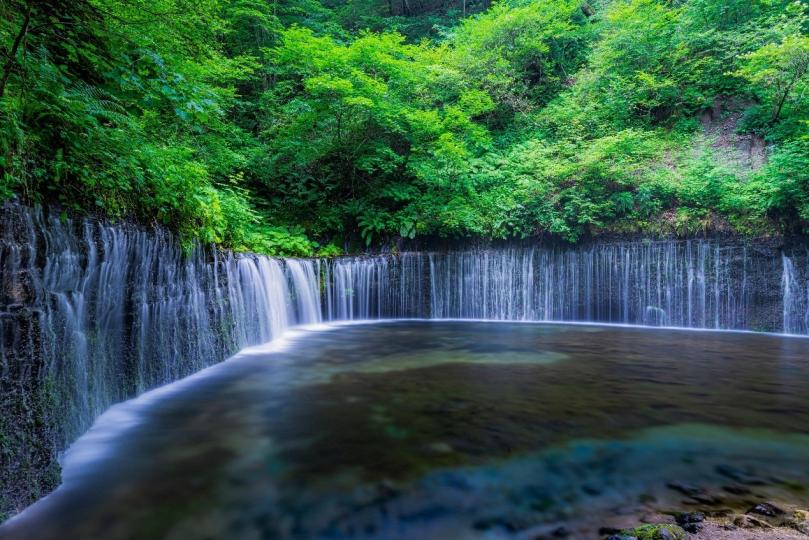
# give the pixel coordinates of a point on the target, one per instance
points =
(263, 126)
(779, 72)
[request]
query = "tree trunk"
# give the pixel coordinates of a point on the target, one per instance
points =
(784, 95)
(15, 47)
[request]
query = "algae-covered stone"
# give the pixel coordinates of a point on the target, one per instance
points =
(655, 532)
(799, 521)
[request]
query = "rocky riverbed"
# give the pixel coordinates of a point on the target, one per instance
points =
(716, 518)
(792, 525)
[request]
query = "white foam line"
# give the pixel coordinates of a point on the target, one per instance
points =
(95, 444)
(121, 417)
(280, 343)
(330, 325)
(577, 323)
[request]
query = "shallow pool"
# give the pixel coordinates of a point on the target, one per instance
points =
(443, 430)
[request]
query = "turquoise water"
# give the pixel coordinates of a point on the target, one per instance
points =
(442, 430)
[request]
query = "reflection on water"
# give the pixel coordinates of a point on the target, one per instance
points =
(442, 430)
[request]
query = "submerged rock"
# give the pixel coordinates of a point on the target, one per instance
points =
(766, 509)
(690, 521)
(553, 534)
(696, 494)
(686, 489)
(738, 475)
(737, 490)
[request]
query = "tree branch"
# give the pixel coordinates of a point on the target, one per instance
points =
(12, 55)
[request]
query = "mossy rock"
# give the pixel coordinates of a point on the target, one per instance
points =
(654, 532)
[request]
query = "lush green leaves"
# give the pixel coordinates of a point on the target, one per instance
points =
(283, 127)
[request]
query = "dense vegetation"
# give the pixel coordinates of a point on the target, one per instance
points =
(297, 126)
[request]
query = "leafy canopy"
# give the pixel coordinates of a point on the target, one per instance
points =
(295, 126)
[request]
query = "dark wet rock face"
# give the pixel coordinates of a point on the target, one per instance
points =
(28, 408)
(92, 314)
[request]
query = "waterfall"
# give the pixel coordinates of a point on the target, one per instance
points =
(356, 288)
(258, 298)
(377, 287)
(795, 292)
(687, 284)
(93, 313)
(120, 310)
(123, 310)
(305, 278)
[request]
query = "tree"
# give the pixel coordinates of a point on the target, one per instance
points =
(13, 52)
(779, 72)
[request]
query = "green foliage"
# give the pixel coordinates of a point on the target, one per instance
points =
(282, 127)
(134, 96)
(329, 250)
(655, 532)
(522, 55)
(779, 73)
(280, 241)
(781, 188)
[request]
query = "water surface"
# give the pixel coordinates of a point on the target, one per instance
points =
(416, 429)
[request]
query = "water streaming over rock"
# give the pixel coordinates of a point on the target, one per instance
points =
(795, 292)
(304, 277)
(377, 287)
(690, 284)
(93, 313)
(122, 310)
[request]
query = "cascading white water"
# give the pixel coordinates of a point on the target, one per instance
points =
(795, 293)
(355, 287)
(376, 287)
(687, 284)
(123, 310)
(305, 278)
(258, 296)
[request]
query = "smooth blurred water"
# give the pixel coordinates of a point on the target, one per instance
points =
(439, 430)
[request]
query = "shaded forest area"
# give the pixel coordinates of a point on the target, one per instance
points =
(300, 127)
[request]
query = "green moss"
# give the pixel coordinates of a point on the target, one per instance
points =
(655, 532)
